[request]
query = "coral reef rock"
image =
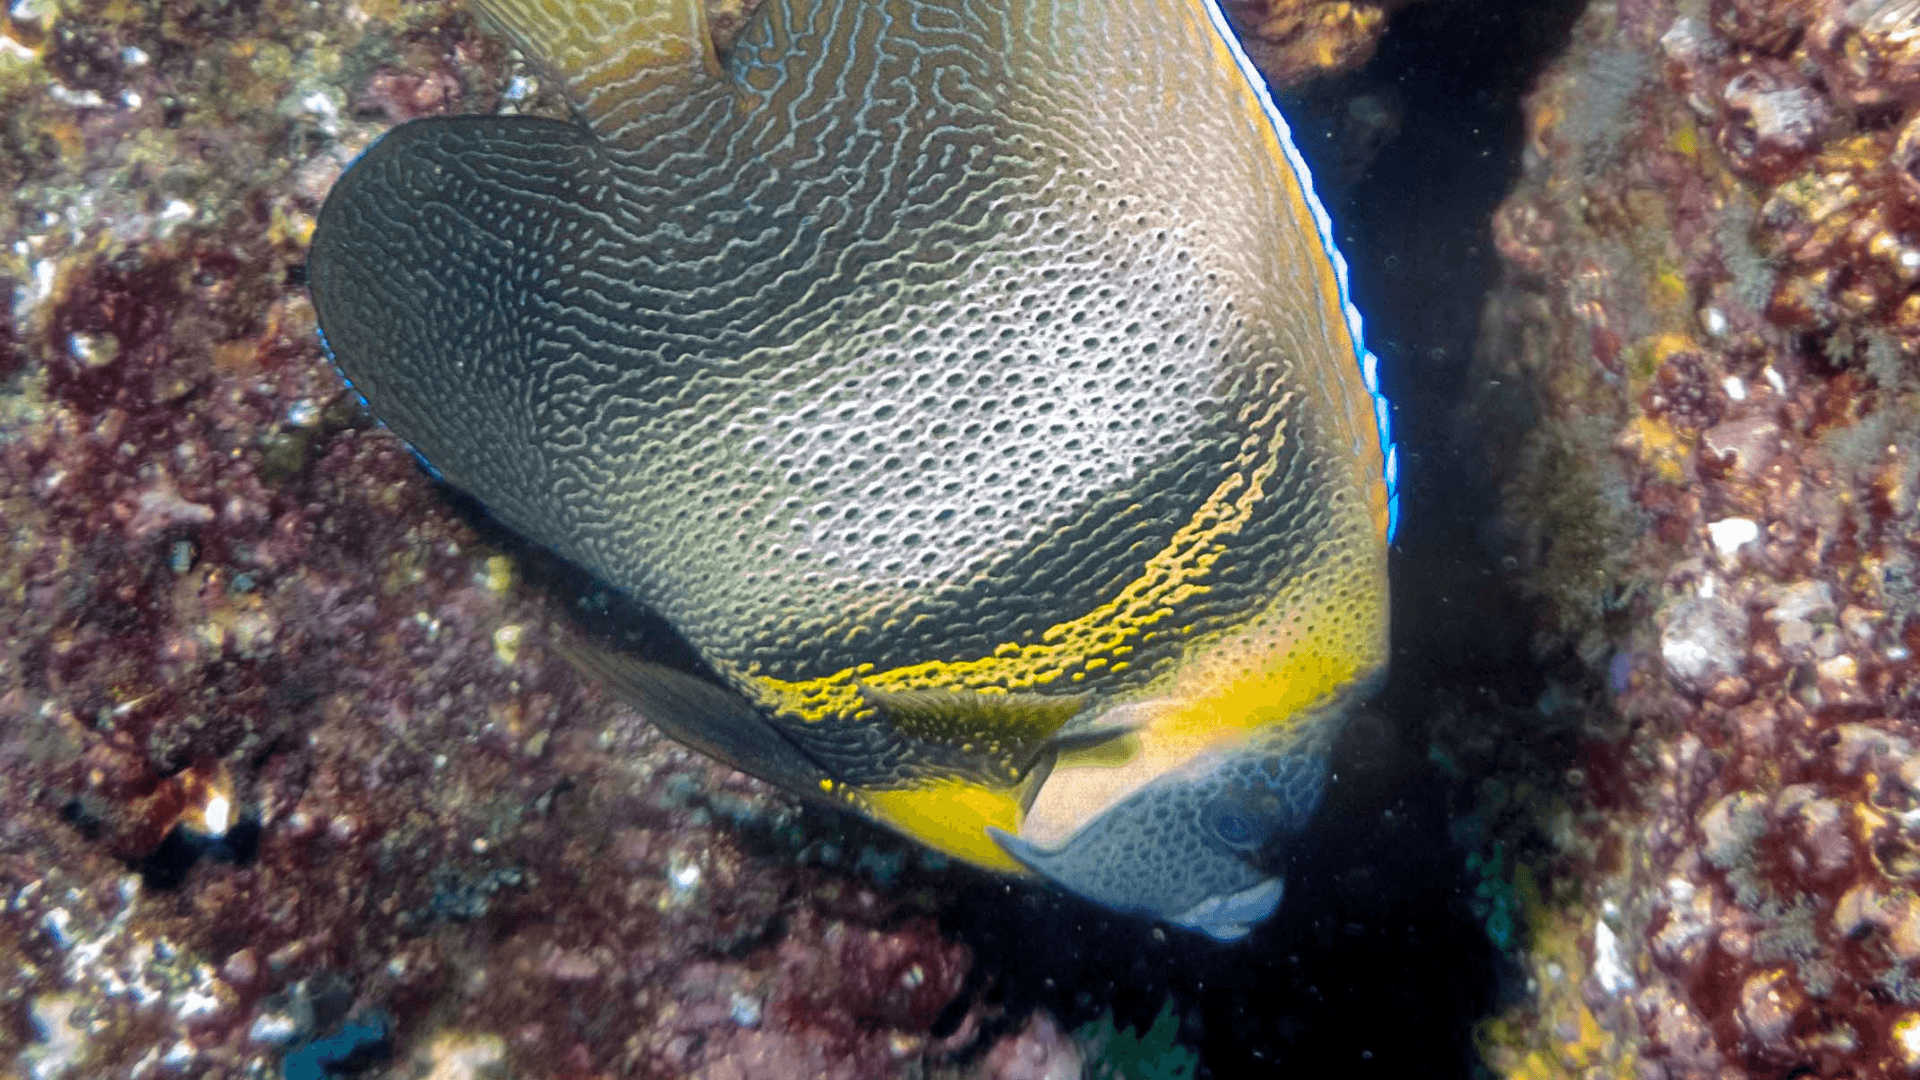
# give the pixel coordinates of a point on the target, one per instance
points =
(293, 780)
(1709, 333)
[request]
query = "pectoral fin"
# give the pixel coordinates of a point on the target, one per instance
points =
(1000, 736)
(709, 718)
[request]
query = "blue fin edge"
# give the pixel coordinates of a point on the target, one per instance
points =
(1369, 363)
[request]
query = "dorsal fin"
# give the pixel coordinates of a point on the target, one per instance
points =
(612, 56)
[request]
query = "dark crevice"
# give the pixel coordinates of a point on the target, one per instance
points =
(1376, 965)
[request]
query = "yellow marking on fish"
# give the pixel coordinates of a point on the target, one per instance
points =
(951, 815)
(1171, 577)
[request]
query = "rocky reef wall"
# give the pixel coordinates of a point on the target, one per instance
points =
(1706, 348)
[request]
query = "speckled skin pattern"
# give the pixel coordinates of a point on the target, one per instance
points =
(1710, 314)
(911, 352)
(220, 576)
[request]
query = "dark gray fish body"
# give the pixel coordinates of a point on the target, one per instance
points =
(968, 348)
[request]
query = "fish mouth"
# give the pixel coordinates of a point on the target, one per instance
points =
(1198, 847)
(1232, 917)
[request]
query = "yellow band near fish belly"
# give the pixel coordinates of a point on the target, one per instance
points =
(950, 815)
(1264, 675)
(1097, 641)
(1261, 673)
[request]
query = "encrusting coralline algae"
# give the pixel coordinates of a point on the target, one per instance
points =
(1711, 305)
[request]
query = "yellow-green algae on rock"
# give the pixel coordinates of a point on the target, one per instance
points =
(1711, 301)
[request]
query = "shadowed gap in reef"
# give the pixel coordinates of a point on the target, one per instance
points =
(1375, 965)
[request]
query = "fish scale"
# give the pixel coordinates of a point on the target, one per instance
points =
(922, 346)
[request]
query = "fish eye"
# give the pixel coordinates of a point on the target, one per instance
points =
(1233, 828)
(1233, 824)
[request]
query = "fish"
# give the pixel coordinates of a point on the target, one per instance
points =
(973, 384)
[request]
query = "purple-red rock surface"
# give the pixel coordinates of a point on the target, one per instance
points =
(292, 778)
(1711, 318)
(285, 750)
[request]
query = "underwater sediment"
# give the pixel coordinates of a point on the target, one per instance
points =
(1707, 347)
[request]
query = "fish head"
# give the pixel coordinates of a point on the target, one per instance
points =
(1151, 824)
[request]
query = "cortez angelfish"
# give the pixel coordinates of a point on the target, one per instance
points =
(971, 382)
